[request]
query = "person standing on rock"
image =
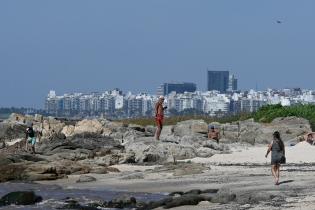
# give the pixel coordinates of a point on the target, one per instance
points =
(277, 155)
(159, 116)
(30, 138)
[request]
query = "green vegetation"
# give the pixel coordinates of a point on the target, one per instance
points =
(268, 113)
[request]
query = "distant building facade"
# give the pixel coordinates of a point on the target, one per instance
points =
(116, 105)
(167, 88)
(218, 80)
(232, 83)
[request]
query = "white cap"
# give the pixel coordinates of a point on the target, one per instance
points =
(161, 97)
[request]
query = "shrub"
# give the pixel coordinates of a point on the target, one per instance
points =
(270, 112)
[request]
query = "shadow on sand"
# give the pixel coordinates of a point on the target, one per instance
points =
(286, 181)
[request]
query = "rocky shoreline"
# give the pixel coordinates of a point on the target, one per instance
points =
(100, 154)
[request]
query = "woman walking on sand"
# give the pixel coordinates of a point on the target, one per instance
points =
(277, 155)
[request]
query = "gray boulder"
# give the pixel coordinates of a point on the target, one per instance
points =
(131, 135)
(88, 126)
(2, 144)
(224, 196)
(85, 142)
(11, 131)
(20, 198)
(147, 149)
(230, 132)
(190, 127)
(85, 178)
(184, 200)
(167, 130)
(150, 130)
(258, 133)
(122, 202)
(205, 152)
(137, 127)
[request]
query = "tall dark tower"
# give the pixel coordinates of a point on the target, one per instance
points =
(218, 80)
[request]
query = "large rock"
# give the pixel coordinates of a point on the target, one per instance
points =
(20, 119)
(88, 126)
(122, 202)
(41, 171)
(190, 198)
(107, 132)
(137, 127)
(185, 200)
(85, 178)
(147, 149)
(26, 167)
(33, 168)
(15, 117)
(131, 135)
(224, 196)
(11, 131)
(150, 130)
(11, 172)
(51, 127)
(167, 130)
(205, 152)
(230, 132)
(68, 130)
(20, 198)
(2, 144)
(190, 127)
(192, 140)
(114, 125)
(258, 133)
(38, 118)
(86, 142)
(73, 204)
(249, 130)
(291, 127)
(199, 127)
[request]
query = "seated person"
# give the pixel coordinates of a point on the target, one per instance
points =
(310, 139)
(214, 134)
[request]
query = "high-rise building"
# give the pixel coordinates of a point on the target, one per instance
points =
(218, 80)
(167, 88)
(232, 83)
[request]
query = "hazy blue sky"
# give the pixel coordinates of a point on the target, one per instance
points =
(135, 45)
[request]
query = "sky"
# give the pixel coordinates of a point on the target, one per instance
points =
(85, 46)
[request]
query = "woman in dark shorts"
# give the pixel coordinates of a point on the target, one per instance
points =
(277, 155)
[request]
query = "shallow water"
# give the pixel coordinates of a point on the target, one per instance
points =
(55, 196)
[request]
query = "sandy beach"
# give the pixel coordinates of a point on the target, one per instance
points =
(245, 172)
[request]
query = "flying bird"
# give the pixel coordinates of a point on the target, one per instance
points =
(279, 21)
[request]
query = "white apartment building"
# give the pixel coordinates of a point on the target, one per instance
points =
(214, 104)
(210, 102)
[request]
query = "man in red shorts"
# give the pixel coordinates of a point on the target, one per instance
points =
(159, 116)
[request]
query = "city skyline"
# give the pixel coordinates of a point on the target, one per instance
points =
(138, 45)
(115, 104)
(154, 93)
